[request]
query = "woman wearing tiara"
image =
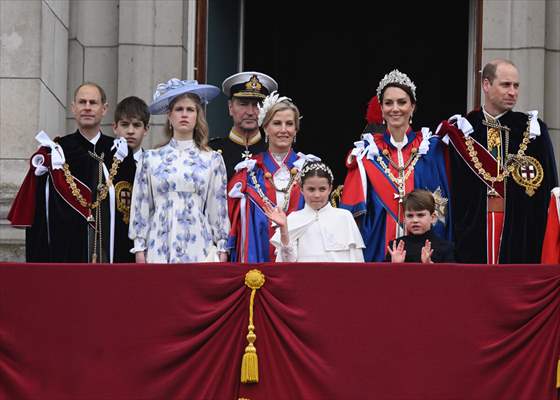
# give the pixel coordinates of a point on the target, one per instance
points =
(269, 179)
(384, 167)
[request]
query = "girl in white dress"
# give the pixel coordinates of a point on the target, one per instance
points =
(179, 210)
(318, 232)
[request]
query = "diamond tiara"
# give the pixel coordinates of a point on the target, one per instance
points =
(396, 76)
(315, 166)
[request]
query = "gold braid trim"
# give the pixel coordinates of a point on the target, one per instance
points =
(103, 189)
(558, 375)
(336, 195)
(504, 173)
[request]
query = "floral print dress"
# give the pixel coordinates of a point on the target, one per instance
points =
(179, 208)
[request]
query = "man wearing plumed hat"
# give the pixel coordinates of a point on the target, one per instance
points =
(245, 91)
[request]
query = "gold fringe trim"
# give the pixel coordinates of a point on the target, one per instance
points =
(558, 375)
(254, 279)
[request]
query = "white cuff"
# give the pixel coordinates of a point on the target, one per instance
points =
(139, 245)
(221, 245)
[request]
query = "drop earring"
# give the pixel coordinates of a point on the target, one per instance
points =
(294, 139)
(266, 138)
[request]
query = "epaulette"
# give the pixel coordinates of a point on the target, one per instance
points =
(215, 139)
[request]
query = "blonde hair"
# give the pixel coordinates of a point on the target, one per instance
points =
(281, 106)
(201, 130)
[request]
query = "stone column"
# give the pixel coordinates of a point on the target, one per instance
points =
(33, 73)
(526, 32)
(92, 52)
(152, 48)
(552, 73)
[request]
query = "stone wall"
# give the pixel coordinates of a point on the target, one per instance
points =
(48, 47)
(33, 81)
(528, 33)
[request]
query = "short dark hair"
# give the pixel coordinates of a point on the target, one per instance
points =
(406, 89)
(489, 70)
(419, 200)
(132, 107)
(95, 85)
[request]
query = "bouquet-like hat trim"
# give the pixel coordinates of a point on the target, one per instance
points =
(166, 92)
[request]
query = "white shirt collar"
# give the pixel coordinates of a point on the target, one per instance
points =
(137, 154)
(93, 140)
(183, 144)
(323, 209)
(492, 116)
(401, 144)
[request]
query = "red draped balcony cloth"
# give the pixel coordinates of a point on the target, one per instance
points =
(324, 331)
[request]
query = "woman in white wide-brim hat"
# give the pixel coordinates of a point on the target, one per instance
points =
(179, 209)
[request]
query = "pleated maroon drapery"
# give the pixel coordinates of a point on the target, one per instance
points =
(324, 331)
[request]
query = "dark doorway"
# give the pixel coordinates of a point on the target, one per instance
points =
(329, 60)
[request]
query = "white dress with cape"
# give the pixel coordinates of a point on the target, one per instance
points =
(326, 235)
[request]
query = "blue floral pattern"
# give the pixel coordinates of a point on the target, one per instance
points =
(179, 206)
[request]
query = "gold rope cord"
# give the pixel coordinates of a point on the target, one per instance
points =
(558, 375)
(254, 279)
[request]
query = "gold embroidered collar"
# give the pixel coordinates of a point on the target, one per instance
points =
(242, 139)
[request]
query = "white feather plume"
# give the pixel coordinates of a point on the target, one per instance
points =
(268, 103)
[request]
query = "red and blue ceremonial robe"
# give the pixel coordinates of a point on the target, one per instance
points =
(248, 191)
(372, 194)
(58, 225)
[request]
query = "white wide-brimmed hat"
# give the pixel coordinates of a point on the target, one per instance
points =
(166, 92)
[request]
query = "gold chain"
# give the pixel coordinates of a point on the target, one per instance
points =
(288, 185)
(288, 190)
(103, 189)
(397, 181)
(473, 154)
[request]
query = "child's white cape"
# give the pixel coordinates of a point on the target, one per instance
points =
(335, 238)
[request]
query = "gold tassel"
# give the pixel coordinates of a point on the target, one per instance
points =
(254, 279)
(558, 375)
(250, 361)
